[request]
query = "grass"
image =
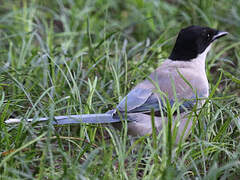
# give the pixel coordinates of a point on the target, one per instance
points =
(72, 57)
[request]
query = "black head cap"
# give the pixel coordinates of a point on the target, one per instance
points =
(192, 41)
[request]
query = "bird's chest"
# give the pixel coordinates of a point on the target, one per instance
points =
(184, 82)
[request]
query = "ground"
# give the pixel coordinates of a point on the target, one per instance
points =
(83, 56)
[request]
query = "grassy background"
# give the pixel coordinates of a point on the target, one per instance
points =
(83, 56)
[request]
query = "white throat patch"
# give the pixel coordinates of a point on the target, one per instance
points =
(200, 59)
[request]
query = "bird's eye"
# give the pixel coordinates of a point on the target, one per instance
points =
(208, 35)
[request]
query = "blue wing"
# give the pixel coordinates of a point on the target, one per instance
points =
(143, 97)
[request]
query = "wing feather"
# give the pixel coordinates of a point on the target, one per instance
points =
(144, 96)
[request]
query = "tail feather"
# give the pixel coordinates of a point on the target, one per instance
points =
(74, 119)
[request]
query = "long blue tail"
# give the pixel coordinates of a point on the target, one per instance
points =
(74, 119)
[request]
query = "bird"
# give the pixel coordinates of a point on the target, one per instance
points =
(180, 81)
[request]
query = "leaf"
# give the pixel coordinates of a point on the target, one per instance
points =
(229, 75)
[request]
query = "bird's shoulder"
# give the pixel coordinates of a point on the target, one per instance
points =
(172, 69)
(178, 73)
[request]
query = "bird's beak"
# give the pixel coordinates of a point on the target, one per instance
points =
(219, 34)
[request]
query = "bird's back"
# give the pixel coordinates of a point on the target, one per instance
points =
(177, 81)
